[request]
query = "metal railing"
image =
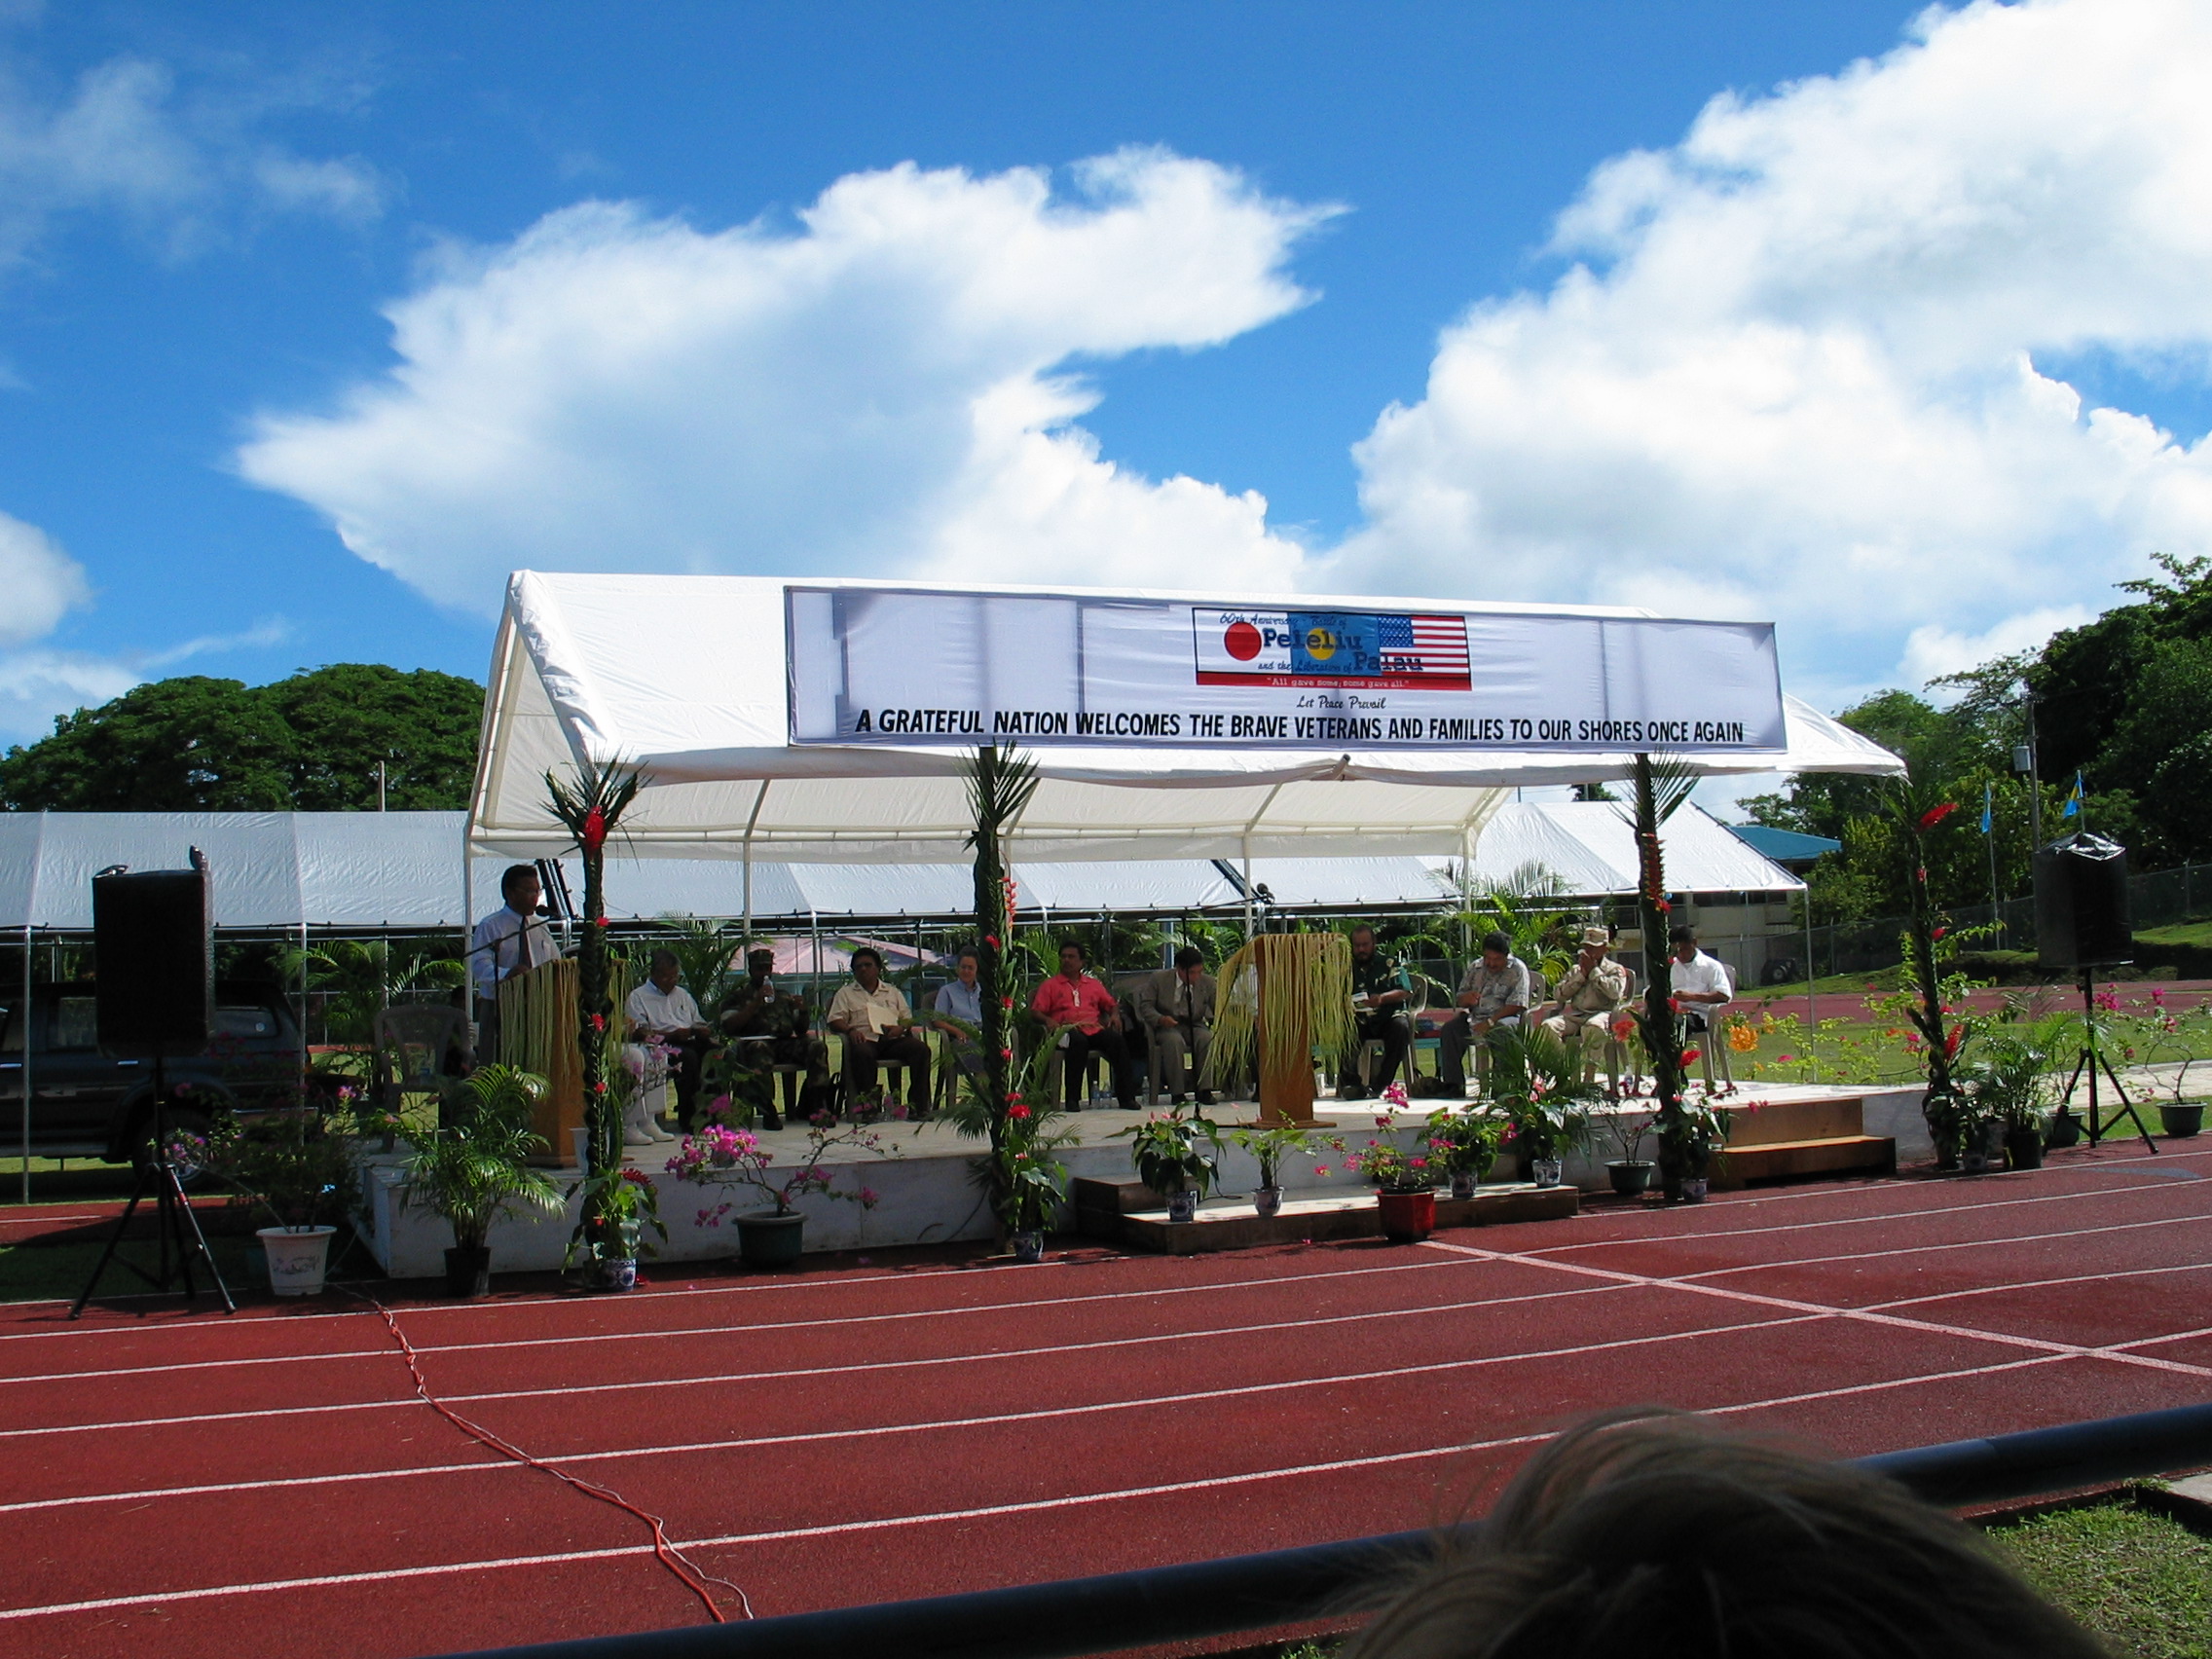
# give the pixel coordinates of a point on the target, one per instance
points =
(1073, 1617)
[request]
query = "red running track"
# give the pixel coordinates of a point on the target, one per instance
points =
(186, 1484)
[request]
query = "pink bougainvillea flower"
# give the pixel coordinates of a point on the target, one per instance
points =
(1783, 1060)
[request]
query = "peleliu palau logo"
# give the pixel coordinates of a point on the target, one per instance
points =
(1330, 647)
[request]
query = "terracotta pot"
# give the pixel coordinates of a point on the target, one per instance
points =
(1406, 1217)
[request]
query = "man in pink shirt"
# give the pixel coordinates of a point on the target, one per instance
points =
(1077, 1007)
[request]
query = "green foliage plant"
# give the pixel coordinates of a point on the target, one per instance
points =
(1462, 1140)
(1535, 1093)
(1173, 1154)
(292, 1165)
(475, 1167)
(1270, 1146)
(589, 804)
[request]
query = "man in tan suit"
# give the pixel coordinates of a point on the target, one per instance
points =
(1177, 1006)
(1587, 994)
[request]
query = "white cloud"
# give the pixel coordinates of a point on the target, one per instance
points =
(887, 386)
(37, 686)
(1931, 651)
(1797, 376)
(42, 582)
(171, 162)
(269, 631)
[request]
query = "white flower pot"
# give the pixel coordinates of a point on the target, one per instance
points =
(297, 1257)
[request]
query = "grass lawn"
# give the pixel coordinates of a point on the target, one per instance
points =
(40, 1271)
(2139, 1580)
(2180, 933)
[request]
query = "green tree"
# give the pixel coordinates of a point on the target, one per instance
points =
(312, 742)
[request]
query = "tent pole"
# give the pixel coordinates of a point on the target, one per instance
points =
(759, 800)
(1812, 1008)
(1248, 890)
(29, 1009)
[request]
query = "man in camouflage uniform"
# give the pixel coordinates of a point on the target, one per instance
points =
(766, 1027)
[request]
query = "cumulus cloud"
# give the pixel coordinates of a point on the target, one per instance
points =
(176, 164)
(42, 582)
(888, 385)
(1801, 364)
(43, 585)
(1931, 651)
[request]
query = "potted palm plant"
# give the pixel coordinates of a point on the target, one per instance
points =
(1536, 1085)
(2004, 1079)
(1174, 1157)
(1028, 1187)
(1269, 1147)
(1462, 1144)
(475, 1168)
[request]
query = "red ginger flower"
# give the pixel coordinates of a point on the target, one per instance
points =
(595, 830)
(1936, 815)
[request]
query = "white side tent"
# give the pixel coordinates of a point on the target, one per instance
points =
(687, 677)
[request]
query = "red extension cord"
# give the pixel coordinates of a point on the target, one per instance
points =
(686, 1574)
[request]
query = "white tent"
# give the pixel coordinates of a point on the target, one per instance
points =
(686, 677)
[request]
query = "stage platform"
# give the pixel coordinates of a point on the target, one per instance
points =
(929, 1195)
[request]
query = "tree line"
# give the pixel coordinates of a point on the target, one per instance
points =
(312, 743)
(2124, 701)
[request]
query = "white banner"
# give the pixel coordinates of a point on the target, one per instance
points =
(879, 665)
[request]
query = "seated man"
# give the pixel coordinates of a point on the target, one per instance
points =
(1176, 1007)
(1587, 993)
(1381, 1014)
(769, 1027)
(1083, 1014)
(963, 1000)
(1493, 993)
(878, 1026)
(1699, 983)
(662, 1015)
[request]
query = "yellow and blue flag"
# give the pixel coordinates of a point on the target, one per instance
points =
(2073, 800)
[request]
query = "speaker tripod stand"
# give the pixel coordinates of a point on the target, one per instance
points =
(173, 1224)
(2089, 1062)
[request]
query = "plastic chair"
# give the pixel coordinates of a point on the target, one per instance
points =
(409, 1051)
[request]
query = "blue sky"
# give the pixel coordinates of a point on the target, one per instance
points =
(271, 272)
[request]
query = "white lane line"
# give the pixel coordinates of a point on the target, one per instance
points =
(1083, 1500)
(2042, 1284)
(930, 1426)
(1961, 1244)
(1885, 1217)
(1088, 1297)
(2176, 1337)
(1894, 1321)
(560, 1391)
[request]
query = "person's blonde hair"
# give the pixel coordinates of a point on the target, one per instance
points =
(1657, 1536)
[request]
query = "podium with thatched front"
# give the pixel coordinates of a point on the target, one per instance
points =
(1282, 996)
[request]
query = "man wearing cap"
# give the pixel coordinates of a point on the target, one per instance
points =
(768, 1027)
(1587, 993)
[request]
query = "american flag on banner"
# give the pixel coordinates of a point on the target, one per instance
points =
(1424, 645)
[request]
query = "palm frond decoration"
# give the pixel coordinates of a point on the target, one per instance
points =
(591, 804)
(1282, 996)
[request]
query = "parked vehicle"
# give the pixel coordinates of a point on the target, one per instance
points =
(88, 1104)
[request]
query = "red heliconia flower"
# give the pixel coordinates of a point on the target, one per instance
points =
(599, 1022)
(1674, 1003)
(1662, 906)
(1936, 815)
(595, 830)
(1018, 1112)
(1938, 933)
(1690, 1056)
(1951, 1043)
(991, 940)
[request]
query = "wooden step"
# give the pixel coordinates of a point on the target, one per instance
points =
(1780, 1161)
(1233, 1224)
(1776, 1122)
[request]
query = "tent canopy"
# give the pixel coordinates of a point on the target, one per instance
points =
(686, 677)
(366, 870)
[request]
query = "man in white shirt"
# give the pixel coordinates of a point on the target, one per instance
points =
(663, 1014)
(512, 939)
(1699, 983)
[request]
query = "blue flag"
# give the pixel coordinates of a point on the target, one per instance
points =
(2073, 800)
(1988, 816)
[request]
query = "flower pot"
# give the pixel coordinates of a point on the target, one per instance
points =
(1974, 1160)
(2182, 1121)
(2065, 1130)
(1029, 1246)
(611, 1273)
(1406, 1217)
(1993, 1140)
(297, 1256)
(1545, 1172)
(468, 1272)
(770, 1240)
(1463, 1184)
(1693, 1189)
(581, 1140)
(1267, 1200)
(1631, 1176)
(1183, 1206)
(2023, 1148)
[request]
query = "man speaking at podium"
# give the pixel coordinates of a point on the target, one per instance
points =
(512, 939)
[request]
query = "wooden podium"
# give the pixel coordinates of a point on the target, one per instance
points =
(1297, 980)
(537, 1033)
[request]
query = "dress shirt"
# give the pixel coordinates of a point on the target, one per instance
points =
(868, 1013)
(658, 1009)
(962, 1002)
(1059, 997)
(1495, 989)
(1702, 972)
(503, 942)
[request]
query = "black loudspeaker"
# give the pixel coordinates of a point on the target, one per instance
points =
(154, 936)
(2081, 904)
